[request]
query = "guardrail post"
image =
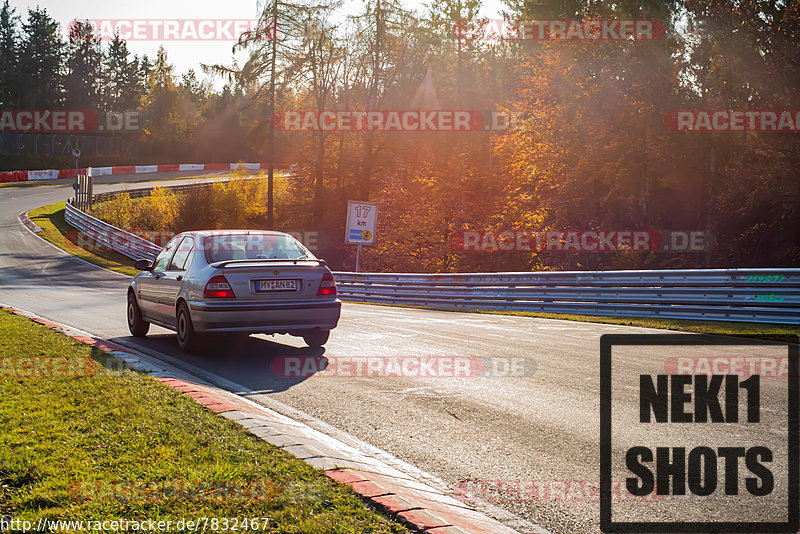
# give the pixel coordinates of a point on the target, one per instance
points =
(90, 184)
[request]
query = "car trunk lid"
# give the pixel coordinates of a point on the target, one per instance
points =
(284, 280)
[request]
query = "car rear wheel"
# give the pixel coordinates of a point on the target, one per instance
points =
(316, 338)
(188, 340)
(136, 323)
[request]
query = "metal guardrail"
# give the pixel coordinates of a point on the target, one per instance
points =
(696, 294)
(116, 239)
(126, 243)
(145, 191)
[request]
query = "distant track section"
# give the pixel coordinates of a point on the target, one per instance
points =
(740, 295)
(53, 174)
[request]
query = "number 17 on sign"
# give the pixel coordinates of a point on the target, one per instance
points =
(362, 220)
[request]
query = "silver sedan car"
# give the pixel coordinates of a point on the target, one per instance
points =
(234, 281)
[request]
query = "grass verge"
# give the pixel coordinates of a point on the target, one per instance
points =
(55, 229)
(59, 229)
(103, 444)
(36, 183)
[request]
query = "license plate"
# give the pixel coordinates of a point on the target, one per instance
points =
(276, 285)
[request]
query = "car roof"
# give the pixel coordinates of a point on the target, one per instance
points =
(211, 233)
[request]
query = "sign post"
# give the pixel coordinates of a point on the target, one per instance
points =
(76, 152)
(362, 220)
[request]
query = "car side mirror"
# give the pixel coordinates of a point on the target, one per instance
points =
(143, 265)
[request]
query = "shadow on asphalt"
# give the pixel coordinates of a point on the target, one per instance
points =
(247, 360)
(68, 270)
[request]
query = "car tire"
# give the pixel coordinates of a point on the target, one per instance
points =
(316, 338)
(136, 323)
(188, 340)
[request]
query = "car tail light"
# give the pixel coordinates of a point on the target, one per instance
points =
(328, 286)
(218, 288)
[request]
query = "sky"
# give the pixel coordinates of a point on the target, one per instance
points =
(189, 54)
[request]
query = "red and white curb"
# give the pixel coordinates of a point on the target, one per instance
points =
(389, 483)
(30, 225)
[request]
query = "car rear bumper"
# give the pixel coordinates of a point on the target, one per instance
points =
(264, 318)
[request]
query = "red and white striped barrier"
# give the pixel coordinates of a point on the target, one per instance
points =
(23, 176)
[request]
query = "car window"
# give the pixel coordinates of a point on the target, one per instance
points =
(189, 258)
(182, 255)
(163, 257)
(254, 246)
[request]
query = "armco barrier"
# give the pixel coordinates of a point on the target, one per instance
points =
(140, 192)
(696, 294)
(112, 237)
(741, 295)
(119, 240)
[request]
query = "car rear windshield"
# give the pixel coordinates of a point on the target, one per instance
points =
(226, 247)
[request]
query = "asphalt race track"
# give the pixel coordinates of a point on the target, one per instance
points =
(498, 437)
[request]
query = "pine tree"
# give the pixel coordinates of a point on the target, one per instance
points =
(141, 68)
(161, 102)
(42, 62)
(9, 57)
(193, 88)
(119, 92)
(84, 66)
